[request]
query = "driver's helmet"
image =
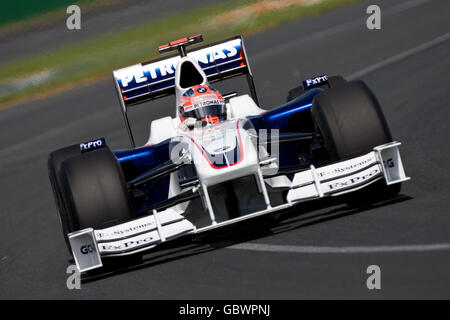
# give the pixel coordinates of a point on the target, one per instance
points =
(204, 103)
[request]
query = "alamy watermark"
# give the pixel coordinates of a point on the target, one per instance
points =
(374, 280)
(73, 21)
(374, 20)
(227, 147)
(74, 278)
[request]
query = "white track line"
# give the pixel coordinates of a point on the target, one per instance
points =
(354, 249)
(401, 56)
(407, 5)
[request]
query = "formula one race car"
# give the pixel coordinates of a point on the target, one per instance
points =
(222, 159)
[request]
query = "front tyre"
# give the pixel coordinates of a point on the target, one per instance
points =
(351, 123)
(55, 159)
(94, 191)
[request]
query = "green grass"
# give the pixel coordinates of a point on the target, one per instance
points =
(23, 15)
(16, 10)
(96, 58)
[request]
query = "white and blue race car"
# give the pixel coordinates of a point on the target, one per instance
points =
(222, 159)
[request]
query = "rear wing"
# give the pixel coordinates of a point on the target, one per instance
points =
(156, 78)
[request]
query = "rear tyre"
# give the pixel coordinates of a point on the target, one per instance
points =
(333, 82)
(351, 123)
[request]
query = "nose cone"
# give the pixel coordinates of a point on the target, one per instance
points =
(224, 152)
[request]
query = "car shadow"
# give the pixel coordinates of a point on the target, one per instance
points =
(299, 216)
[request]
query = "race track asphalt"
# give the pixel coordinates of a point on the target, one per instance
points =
(315, 252)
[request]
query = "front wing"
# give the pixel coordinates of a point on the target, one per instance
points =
(89, 245)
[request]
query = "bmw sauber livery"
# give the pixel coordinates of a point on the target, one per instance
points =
(218, 158)
(149, 78)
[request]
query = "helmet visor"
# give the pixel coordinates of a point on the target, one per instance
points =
(205, 110)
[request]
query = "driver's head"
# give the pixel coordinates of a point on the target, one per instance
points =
(204, 103)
